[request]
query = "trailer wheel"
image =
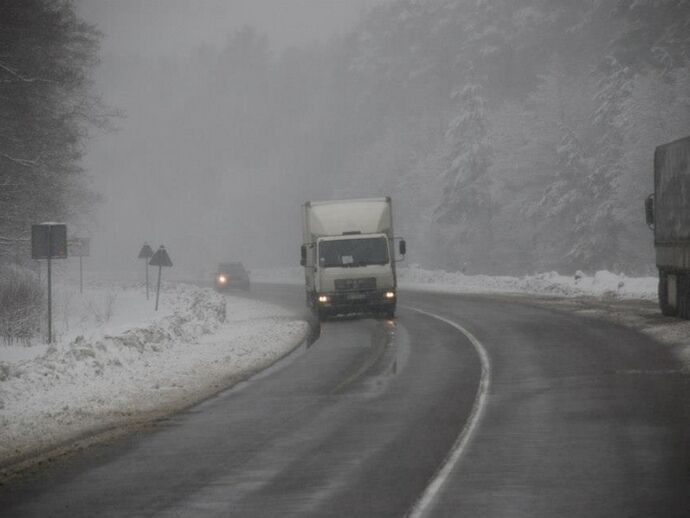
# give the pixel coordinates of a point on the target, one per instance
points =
(666, 308)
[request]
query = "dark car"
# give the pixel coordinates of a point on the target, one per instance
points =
(232, 275)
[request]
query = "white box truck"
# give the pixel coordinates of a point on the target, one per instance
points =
(348, 254)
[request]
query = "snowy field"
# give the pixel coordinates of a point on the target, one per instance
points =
(118, 362)
(601, 284)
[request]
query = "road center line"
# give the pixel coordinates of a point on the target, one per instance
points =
(422, 506)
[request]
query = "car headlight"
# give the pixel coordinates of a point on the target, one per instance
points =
(222, 279)
(324, 299)
(389, 295)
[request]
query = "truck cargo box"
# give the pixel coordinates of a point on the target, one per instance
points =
(668, 213)
(339, 217)
(672, 192)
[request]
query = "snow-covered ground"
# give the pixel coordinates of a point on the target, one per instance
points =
(108, 308)
(116, 361)
(602, 284)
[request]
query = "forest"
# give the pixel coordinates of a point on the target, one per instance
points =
(48, 107)
(514, 136)
(523, 131)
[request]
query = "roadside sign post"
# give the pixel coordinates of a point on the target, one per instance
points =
(50, 292)
(146, 253)
(48, 241)
(79, 247)
(160, 259)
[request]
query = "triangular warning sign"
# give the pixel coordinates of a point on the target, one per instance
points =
(145, 252)
(161, 258)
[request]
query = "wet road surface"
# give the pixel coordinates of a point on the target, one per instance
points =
(581, 418)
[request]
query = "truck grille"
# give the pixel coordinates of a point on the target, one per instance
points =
(368, 283)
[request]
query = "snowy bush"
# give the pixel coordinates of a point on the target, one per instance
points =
(21, 303)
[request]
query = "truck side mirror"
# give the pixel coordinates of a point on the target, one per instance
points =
(303, 258)
(649, 211)
(402, 246)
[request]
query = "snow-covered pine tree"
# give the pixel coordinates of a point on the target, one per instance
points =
(465, 210)
(561, 211)
(600, 227)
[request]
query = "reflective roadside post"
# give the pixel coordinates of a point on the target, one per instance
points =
(160, 259)
(146, 253)
(49, 241)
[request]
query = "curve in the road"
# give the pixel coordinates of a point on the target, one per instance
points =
(583, 418)
(423, 505)
(357, 425)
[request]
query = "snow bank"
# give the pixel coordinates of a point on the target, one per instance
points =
(602, 284)
(288, 275)
(117, 373)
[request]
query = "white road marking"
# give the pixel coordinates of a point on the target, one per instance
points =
(423, 505)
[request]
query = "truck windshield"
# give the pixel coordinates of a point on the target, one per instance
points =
(353, 252)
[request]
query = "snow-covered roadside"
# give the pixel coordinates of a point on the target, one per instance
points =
(108, 308)
(117, 374)
(601, 284)
(641, 315)
(287, 275)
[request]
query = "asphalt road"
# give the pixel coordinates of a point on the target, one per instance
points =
(543, 414)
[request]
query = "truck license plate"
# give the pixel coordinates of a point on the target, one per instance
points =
(356, 296)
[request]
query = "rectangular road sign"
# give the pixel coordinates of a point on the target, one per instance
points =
(53, 233)
(78, 246)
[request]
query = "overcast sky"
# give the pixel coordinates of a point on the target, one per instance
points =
(160, 27)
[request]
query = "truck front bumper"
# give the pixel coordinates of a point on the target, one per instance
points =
(356, 301)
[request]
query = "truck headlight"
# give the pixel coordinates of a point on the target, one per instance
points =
(389, 295)
(222, 279)
(323, 299)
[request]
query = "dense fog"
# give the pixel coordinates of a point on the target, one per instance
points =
(513, 137)
(212, 99)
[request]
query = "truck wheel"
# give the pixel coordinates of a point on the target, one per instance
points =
(666, 308)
